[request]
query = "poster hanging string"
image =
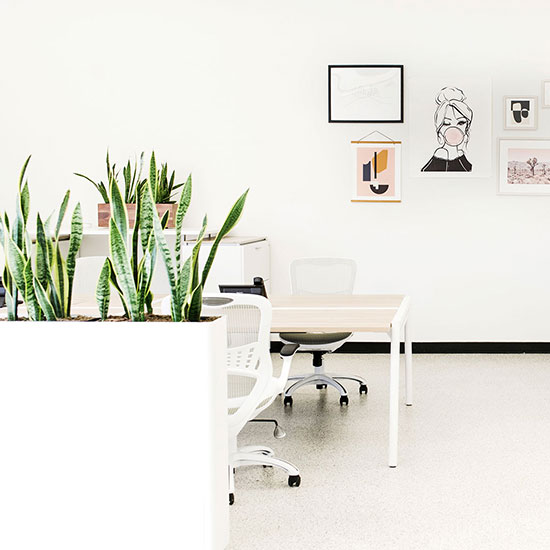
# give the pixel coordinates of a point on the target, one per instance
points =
(376, 132)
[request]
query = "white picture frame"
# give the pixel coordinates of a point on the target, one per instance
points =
(376, 171)
(519, 176)
(545, 94)
(466, 97)
(520, 112)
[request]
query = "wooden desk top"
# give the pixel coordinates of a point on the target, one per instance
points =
(335, 313)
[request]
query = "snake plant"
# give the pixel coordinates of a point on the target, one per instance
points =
(186, 283)
(132, 180)
(46, 291)
(163, 189)
(129, 275)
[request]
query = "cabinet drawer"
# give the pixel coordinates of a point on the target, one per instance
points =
(256, 261)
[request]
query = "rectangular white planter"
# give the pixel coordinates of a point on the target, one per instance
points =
(113, 436)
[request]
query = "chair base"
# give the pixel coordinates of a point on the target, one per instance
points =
(258, 455)
(322, 380)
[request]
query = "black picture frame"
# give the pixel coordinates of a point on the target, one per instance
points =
(398, 120)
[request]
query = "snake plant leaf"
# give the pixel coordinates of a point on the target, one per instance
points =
(183, 205)
(153, 177)
(23, 171)
(62, 211)
(25, 200)
(118, 211)
(195, 305)
(33, 307)
(45, 305)
(145, 276)
(75, 240)
(135, 239)
(42, 270)
(184, 283)
(42, 264)
(147, 209)
(16, 263)
(122, 268)
(114, 282)
(11, 304)
(61, 278)
(164, 250)
(195, 254)
(2, 238)
(230, 222)
(49, 240)
(103, 290)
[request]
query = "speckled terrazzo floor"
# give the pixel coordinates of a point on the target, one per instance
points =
(474, 461)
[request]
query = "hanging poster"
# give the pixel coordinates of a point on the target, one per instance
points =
(376, 168)
(450, 131)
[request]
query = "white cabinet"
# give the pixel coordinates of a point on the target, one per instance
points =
(238, 261)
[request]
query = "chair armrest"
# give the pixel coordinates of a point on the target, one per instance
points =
(288, 350)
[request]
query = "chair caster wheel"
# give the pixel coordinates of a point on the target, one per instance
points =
(344, 400)
(321, 386)
(363, 389)
(231, 499)
(288, 400)
(294, 481)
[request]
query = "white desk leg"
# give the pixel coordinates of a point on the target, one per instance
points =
(408, 364)
(394, 394)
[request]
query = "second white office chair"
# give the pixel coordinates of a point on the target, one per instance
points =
(310, 276)
(251, 384)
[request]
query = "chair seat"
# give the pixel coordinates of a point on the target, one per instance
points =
(314, 338)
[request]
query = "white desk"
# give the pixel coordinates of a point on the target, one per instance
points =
(355, 313)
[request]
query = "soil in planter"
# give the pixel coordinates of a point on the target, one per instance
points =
(149, 318)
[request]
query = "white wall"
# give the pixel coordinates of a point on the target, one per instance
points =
(236, 92)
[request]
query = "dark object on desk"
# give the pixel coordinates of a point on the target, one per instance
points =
(257, 288)
(2, 294)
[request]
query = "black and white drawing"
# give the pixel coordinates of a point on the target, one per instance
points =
(450, 127)
(453, 120)
(520, 113)
(365, 93)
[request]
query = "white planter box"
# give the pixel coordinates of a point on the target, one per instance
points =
(113, 436)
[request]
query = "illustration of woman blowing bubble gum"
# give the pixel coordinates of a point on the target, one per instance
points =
(453, 119)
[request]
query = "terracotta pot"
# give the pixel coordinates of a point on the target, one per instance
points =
(104, 214)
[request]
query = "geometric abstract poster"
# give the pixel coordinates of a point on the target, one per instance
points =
(376, 168)
(520, 113)
(450, 127)
(524, 167)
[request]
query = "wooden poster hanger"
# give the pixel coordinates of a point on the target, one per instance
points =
(387, 140)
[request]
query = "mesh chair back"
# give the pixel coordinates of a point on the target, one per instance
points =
(249, 367)
(322, 276)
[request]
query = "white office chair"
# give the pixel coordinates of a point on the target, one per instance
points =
(310, 276)
(251, 384)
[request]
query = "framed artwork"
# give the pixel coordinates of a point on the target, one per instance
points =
(546, 94)
(520, 113)
(365, 93)
(524, 167)
(376, 169)
(450, 128)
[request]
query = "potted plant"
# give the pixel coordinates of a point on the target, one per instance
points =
(163, 191)
(101, 418)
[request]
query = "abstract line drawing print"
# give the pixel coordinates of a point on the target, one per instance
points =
(373, 168)
(453, 121)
